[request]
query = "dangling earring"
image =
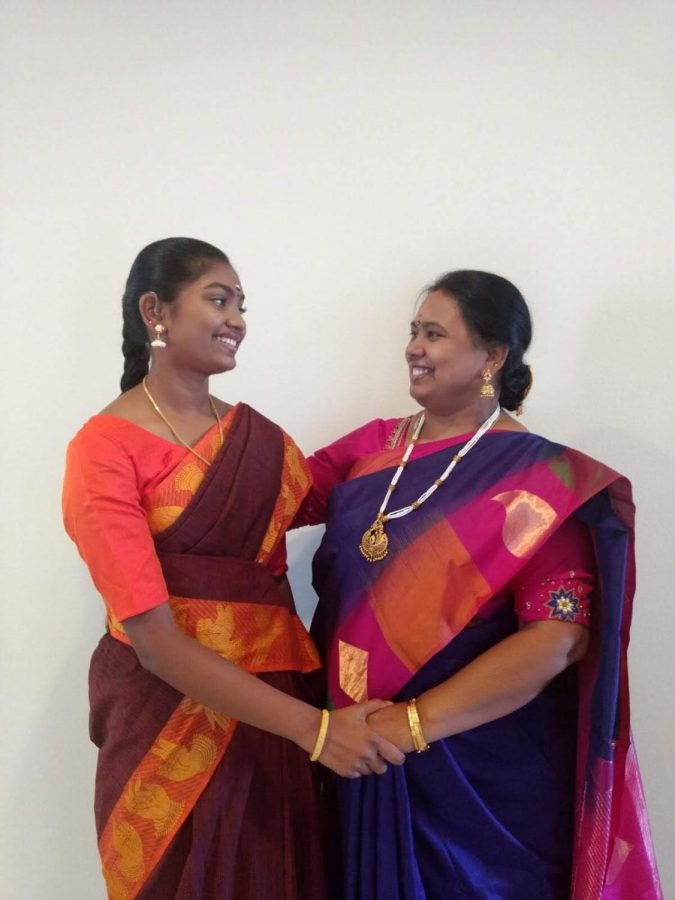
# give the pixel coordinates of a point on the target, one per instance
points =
(159, 340)
(487, 392)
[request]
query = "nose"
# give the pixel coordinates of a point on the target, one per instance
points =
(414, 348)
(235, 320)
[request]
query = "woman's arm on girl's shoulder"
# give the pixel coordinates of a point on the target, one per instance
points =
(331, 465)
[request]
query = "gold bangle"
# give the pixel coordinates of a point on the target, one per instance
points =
(419, 741)
(321, 737)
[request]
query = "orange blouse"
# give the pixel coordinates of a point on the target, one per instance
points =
(112, 466)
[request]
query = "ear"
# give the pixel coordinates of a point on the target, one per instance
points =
(150, 308)
(496, 356)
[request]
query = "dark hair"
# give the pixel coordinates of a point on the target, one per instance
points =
(161, 267)
(495, 311)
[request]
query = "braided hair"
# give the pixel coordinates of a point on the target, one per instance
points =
(495, 311)
(161, 267)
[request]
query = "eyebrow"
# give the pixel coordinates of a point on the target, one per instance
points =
(227, 289)
(415, 324)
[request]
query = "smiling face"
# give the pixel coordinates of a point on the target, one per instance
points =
(445, 359)
(205, 323)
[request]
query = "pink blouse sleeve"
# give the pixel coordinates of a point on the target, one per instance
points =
(557, 583)
(331, 465)
(103, 515)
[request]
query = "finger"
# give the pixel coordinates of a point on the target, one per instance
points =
(389, 752)
(378, 767)
(373, 705)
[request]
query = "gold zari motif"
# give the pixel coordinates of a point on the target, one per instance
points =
(181, 763)
(129, 846)
(151, 801)
(353, 671)
(528, 519)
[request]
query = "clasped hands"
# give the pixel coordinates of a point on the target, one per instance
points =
(363, 738)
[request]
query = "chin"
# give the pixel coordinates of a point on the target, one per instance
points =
(223, 366)
(417, 392)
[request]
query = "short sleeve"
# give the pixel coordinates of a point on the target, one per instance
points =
(557, 582)
(103, 515)
(331, 465)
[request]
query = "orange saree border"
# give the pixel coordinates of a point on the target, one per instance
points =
(165, 786)
(161, 794)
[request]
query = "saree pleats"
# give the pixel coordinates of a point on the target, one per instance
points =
(253, 831)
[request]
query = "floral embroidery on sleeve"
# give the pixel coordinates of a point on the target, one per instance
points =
(565, 600)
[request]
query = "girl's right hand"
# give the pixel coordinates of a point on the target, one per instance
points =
(352, 748)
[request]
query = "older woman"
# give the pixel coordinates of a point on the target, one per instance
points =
(200, 703)
(481, 577)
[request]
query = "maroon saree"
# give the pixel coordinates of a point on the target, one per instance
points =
(190, 803)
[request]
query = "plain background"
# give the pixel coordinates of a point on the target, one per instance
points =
(343, 154)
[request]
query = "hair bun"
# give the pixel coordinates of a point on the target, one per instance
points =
(516, 382)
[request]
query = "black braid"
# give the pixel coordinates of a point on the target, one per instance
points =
(161, 267)
(136, 354)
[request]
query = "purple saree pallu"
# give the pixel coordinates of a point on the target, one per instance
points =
(544, 803)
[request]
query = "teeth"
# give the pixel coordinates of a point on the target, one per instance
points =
(418, 371)
(229, 341)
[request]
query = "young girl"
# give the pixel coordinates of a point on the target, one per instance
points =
(200, 706)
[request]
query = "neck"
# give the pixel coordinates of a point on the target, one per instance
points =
(439, 424)
(179, 392)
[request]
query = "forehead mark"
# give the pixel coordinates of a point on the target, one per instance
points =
(232, 291)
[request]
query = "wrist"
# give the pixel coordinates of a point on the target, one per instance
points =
(321, 736)
(304, 728)
(434, 722)
(419, 740)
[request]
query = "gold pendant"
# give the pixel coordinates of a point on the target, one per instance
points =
(374, 543)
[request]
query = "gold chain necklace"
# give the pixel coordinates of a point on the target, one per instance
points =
(375, 543)
(173, 430)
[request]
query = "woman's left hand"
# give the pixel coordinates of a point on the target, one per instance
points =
(392, 723)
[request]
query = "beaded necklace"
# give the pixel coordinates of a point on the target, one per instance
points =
(375, 543)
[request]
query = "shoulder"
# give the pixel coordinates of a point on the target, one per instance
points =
(256, 424)
(579, 472)
(343, 453)
(105, 428)
(126, 405)
(578, 457)
(98, 465)
(103, 442)
(101, 430)
(377, 434)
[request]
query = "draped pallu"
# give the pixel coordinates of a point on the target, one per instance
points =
(161, 752)
(482, 814)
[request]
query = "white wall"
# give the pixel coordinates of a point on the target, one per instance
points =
(343, 154)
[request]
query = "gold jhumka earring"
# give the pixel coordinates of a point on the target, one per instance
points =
(487, 392)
